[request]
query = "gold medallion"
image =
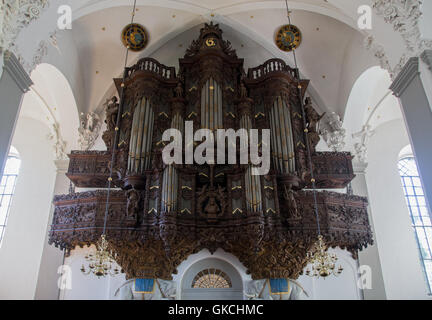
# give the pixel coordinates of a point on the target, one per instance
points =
(288, 38)
(210, 42)
(135, 36)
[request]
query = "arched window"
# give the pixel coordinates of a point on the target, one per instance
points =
(418, 210)
(7, 187)
(211, 278)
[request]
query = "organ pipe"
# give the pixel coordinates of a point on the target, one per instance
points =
(252, 182)
(281, 137)
(170, 175)
(211, 105)
(140, 144)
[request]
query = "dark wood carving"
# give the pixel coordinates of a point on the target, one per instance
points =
(211, 206)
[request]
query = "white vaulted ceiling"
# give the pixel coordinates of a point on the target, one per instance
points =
(331, 55)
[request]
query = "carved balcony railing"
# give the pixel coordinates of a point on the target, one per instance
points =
(89, 169)
(343, 218)
(79, 217)
(152, 66)
(332, 170)
(78, 221)
(269, 67)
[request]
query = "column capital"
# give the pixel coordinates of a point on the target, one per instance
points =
(61, 166)
(359, 167)
(12, 66)
(426, 56)
(404, 78)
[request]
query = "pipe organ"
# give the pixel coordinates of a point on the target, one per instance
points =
(162, 213)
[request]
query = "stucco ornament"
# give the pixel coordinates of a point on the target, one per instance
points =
(379, 53)
(360, 147)
(330, 128)
(404, 16)
(16, 15)
(59, 144)
(89, 129)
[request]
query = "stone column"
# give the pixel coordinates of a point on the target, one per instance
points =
(14, 82)
(52, 257)
(413, 86)
(369, 256)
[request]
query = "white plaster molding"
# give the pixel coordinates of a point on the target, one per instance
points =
(62, 166)
(39, 54)
(15, 15)
(359, 167)
(404, 16)
(16, 71)
(404, 78)
(90, 125)
(330, 128)
(426, 56)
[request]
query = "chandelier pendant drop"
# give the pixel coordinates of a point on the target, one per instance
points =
(102, 262)
(323, 263)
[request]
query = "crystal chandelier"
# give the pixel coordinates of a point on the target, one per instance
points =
(323, 263)
(103, 261)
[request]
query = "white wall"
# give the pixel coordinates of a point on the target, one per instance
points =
(426, 20)
(22, 246)
(400, 262)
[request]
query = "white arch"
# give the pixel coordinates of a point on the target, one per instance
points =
(205, 254)
(370, 104)
(55, 95)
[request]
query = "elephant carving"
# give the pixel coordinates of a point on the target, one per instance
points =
(163, 290)
(260, 290)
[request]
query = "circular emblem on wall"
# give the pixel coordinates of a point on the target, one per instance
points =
(135, 36)
(288, 37)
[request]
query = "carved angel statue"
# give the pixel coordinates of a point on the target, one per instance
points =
(112, 108)
(133, 199)
(291, 203)
(179, 90)
(243, 91)
(313, 118)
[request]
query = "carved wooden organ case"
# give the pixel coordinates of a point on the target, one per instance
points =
(159, 215)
